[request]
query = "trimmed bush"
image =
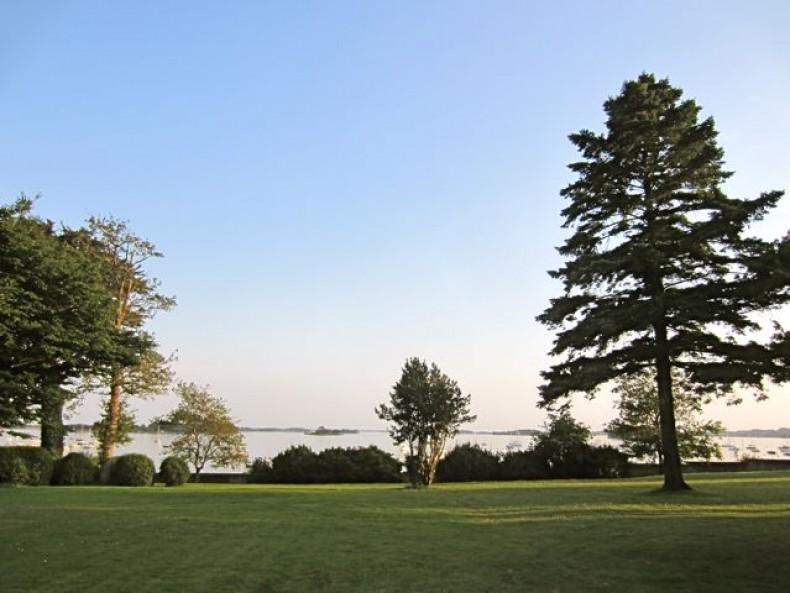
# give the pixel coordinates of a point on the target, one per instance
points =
(75, 469)
(260, 472)
(468, 463)
(131, 470)
(300, 465)
(173, 471)
(30, 466)
(296, 465)
(358, 465)
(523, 465)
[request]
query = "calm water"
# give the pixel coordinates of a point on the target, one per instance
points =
(269, 444)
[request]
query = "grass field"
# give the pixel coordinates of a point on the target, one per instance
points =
(729, 534)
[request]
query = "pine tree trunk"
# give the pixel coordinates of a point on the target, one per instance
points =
(52, 430)
(673, 473)
(113, 417)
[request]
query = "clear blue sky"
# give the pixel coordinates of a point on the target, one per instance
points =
(338, 185)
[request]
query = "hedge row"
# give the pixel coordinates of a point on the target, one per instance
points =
(34, 466)
(471, 463)
(301, 465)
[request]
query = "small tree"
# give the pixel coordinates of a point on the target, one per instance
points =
(426, 408)
(563, 444)
(639, 423)
(209, 433)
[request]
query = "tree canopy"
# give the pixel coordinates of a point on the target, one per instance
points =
(659, 271)
(54, 321)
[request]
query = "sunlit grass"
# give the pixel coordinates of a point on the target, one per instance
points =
(728, 534)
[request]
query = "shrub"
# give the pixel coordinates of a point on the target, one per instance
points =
(173, 471)
(300, 465)
(605, 462)
(75, 469)
(523, 465)
(360, 465)
(131, 470)
(468, 463)
(296, 465)
(30, 466)
(375, 465)
(260, 471)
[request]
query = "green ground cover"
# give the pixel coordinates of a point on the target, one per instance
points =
(729, 534)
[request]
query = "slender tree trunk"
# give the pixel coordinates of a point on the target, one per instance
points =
(113, 416)
(673, 473)
(52, 430)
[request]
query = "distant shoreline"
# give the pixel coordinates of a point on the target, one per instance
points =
(780, 433)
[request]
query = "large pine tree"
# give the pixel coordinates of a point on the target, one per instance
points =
(659, 271)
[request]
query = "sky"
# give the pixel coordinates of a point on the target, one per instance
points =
(337, 186)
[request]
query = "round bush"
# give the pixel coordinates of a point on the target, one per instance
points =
(173, 471)
(296, 465)
(468, 463)
(31, 466)
(75, 469)
(132, 470)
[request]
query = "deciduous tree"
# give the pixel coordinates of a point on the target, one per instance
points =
(638, 424)
(54, 321)
(137, 298)
(426, 409)
(208, 433)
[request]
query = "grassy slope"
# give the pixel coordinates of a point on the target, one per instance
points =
(730, 534)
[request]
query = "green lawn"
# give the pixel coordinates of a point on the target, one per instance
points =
(729, 534)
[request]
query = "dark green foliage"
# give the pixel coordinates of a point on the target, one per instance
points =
(358, 465)
(468, 463)
(173, 471)
(29, 466)
(300, 465)
(296, 465)
(55, 320)
(523, 465)
(659, 273)
(260, 471)
(131, 470)
(75, 469)
(604, 462)
(563, 447)
(426, 408)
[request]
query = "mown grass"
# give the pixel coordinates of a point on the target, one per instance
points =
(729, 534)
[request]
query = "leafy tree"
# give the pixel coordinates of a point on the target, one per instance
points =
(562, 443)
(426, 408)
(54, 321)
(639, 426)
(137, 298)
(209, 435)
(659, 273)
